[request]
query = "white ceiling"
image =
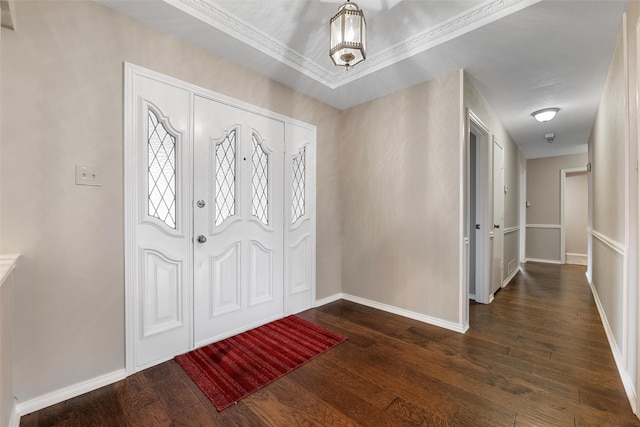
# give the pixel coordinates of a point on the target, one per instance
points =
(523, 55)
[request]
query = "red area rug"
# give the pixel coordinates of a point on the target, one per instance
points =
(230, 370)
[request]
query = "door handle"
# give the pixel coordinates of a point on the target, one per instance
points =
(496, 225)
(201, 239)
(201, 203)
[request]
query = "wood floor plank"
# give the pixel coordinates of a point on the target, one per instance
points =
(285, 402)
(536, 356)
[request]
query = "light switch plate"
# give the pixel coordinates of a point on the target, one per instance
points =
(88, 175)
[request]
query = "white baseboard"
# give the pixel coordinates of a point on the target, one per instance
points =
(627, 382)
(511, 276)
(577, 259)
(69, 392)
(14, 421)
(328, 300)
(472, 296)
(409, 314)
(395, 310)
(546, 261)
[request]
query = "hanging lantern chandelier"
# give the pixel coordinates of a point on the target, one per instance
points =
(348, 36)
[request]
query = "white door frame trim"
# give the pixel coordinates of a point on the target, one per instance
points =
(522, 211)
(472, 123)
(129, 149)
(500, 230)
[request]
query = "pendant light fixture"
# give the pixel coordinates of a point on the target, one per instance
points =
(348, 31)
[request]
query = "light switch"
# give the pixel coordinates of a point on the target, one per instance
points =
(528, 204)
(88, 175)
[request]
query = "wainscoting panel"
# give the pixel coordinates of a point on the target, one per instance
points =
(609, 286)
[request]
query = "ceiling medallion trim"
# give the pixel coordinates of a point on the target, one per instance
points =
(483, 14)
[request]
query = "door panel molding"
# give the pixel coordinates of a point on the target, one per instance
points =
(225, 268)
(162, 283)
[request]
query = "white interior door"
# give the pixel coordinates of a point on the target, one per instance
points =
(161, 218)
(238, 220)
(497, 261)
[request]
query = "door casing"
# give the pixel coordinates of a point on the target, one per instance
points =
(497, 232)
(483, 210)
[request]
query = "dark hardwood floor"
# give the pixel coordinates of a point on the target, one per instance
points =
(537, 355)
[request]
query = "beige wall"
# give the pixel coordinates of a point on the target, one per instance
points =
(474, 100)
(400, 169)
(613, 153)
(576, 191)
(62, 103)
(543, 192)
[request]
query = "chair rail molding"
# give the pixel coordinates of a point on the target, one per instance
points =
(508, 230)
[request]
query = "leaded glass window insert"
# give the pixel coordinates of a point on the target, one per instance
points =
(259, 182)
(226, 178)
(162, 171)
(298, 193)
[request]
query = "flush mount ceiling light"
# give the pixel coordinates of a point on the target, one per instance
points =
(348, 31)
(545, 115)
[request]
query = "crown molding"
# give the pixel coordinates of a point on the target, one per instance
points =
(476, 17)
(252, 36)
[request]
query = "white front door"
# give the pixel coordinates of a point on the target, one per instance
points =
(161, 218)
(238, 220)
(497, 259)
(219, 220)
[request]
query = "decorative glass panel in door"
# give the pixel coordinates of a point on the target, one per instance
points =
(225, 178)
(298, 196)
(259, 181)
(162, 171)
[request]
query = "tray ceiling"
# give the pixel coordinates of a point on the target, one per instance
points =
(523, 55)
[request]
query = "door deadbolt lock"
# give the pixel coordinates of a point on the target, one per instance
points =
(201, 203)
(201, 239)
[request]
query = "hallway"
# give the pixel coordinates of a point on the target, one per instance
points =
(537, 355)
